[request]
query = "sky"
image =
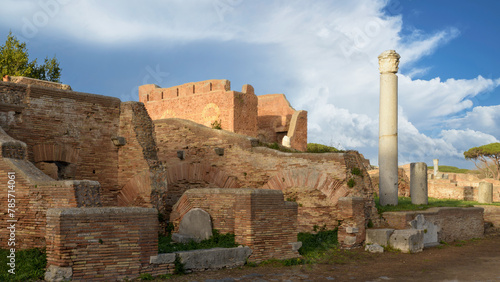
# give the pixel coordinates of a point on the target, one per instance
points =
(321, 54)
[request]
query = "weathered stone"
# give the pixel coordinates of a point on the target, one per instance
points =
(388, 128)
(375, 248)
(196, 223)
(183, 238)
(418, 183)
(57, 273)
(408, 240)
(296, 245)
(162, 258)
(485, 193)
(214, 258)
(378, 236)
(286, 141)
(430, 230)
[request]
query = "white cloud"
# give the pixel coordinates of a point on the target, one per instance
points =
(484, 119)
(328, 49)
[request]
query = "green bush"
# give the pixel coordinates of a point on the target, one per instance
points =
(351, 183)
(356, 171)
(318, 148)
(30, 265)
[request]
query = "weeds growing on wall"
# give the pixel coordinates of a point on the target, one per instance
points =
(319, 148)
(165, 244)
(30, 265)
(216, 124)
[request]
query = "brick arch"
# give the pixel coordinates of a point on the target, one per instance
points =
(137, 191)
(316, 193)
(55, 153)
(203, 172)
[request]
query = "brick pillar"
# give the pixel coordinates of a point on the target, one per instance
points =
(352, 229)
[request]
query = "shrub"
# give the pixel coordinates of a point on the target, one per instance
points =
(319, 148)
(216, 124)
(351, 183)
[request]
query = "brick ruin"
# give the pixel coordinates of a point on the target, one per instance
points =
(78, 150)
(267, 117)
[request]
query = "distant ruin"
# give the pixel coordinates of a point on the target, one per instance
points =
(212, 102)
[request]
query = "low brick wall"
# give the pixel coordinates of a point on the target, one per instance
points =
(491, 214)
(259, 218)
(455, 223)
(102, 244)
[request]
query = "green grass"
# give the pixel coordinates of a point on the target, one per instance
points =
(311, 148)
(319, 148)
(165, 244)
(452, 169)
(30, 265)
(404, 204)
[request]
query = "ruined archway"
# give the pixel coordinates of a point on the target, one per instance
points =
(56, 160)
(316, 194)
(179, 178)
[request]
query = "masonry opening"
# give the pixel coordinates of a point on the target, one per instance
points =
(162, 95)
(177, 90)
(147, 97)
(58, 170)
(210, 86)
(193, 89)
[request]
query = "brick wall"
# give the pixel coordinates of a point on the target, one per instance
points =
(34, 194)
(83, 122)
(102, 244)
(314, 181)
(204, 102)
(141, 175)
(260, 219)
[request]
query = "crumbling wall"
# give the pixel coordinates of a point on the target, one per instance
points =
(260, 219)
(314, 181)
(30, 192)
(142, 177)
(53, 118)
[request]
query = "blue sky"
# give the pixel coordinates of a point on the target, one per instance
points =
(321, 54)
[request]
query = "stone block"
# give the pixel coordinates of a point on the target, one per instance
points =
(408, 240)
(57, 273)
(430, 230)
(296, 245)
(162, 258)
(378, 236)
(375, 248)
(196, 223)
(183, 238)
(351, 230)
(216, 258)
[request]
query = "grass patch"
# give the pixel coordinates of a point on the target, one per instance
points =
(404, 204)
(30, 265)
(314, 246)
(451, 169)
(319, 148)
(165, 244)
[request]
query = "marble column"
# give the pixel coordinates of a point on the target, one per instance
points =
(436, 167)
(388, 128)
(418, 183)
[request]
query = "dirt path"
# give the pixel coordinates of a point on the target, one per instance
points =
(475, 260)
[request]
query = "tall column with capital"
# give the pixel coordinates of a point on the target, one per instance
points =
(388, 128)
